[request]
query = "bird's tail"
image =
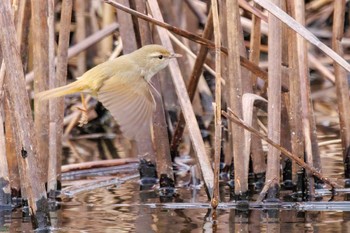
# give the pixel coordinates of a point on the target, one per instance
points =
(71, 88)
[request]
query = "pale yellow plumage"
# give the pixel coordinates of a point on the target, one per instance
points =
(122, 86)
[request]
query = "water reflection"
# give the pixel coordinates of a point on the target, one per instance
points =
(128, 208)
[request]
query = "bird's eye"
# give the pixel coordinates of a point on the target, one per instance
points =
(160, 57)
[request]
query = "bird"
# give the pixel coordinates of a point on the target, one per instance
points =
(123, 87)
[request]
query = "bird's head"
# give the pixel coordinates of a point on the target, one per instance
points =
(153, 58)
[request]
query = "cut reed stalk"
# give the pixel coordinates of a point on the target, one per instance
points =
(235, 91)
(295, 118)
(57, 105)
(217, 106)
(257, 154)
(41, 68)
(274, 101)
(312, 155)
(54, 162)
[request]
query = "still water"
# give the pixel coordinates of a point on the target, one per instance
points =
(126, 208)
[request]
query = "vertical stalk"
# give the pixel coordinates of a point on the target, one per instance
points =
(257, 154)
(12, 150)
(41, 67)
(295, 117)
(108, 17)
(22, 22)
(126, 28)
(57, 105)
(342, 84)
(217, 114)
(312, 155)
(5, 189)
(274, 101)
(235, 86)
(19, 103)
(79, 6)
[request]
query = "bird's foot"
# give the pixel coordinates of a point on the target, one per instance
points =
(84, 119)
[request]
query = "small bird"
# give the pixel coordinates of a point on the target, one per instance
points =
(123, 86)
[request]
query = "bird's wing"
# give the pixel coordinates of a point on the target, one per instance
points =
(130, 102)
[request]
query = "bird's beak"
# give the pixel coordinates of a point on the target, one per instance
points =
(175, 55)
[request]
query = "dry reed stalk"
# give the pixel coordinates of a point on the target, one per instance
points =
(249, 116)
(54, 151)
(5, 188)
(247, 87)
(41, 68)
(12, 150)
(342, 84)
(84, 44)
(108, 17)
(22, 14)
(57, 105)
(232, 117)
(80, 34)
(19, 103)
(194, 79)
(191, 36)
(274, 101)
(301, 30)
(312, 155)
(226, 133)
(235, 91)
(185, 104)
(126, 29)
(143, 26)
(295, 118)
(257, 154)
(97, 164)
(217, 106)
(160, 135)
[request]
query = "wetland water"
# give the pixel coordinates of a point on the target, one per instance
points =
(126, 208)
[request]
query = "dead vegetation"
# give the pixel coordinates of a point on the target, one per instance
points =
(278, 68)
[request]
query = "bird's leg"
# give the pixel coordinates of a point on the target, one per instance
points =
(84, 116)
